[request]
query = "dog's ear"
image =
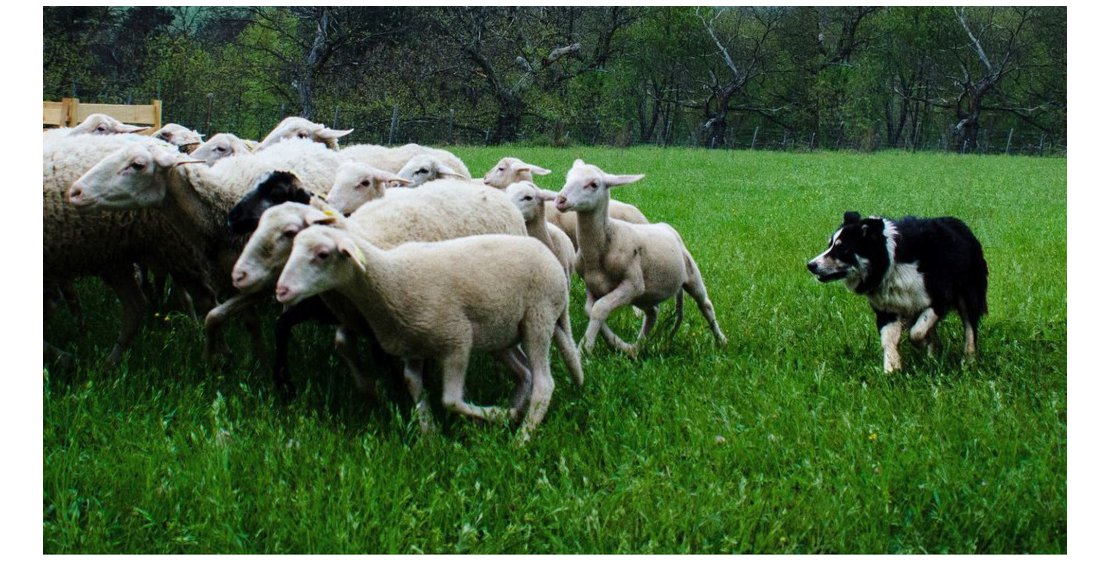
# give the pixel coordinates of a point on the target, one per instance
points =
(851, 217)
(872, 228)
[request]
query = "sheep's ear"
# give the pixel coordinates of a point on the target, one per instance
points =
(444, 170)
(164, 158)
(613, 180)
(519, 166)
(348, 248)
(320, 216)
(189, 162)
(547, 195)
(332, 134)
(579, 162)
(125, 128)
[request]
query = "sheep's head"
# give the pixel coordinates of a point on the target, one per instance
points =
(587, 186)
(529, 199)
(185, 139)
(268, 247)
(424, 168)
(220, 146)
(322, 259)
(270, 189)
(301, 128)
(100, 124)
(132, 177)
(357, 183)
(509, 170)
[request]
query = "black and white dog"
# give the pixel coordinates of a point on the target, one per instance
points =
(913, 270)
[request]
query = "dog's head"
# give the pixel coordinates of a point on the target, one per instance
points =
(855, 250)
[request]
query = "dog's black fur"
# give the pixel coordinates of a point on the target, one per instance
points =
(906, 268)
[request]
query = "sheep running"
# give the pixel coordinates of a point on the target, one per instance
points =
(509, 170)
(301, 128)
(185, 139)
(623, 263)
(443, 300)
(530, 200)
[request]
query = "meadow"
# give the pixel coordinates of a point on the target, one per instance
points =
(790, 439)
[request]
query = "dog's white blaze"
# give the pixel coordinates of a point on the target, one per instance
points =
(890, 233)
(902, 291)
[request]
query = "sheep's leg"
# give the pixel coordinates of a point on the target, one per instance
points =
(537, 342)
(454, 381)
(650, 315)
(514, 359)
(253, 324)
(345, 345)
(134, 308)
(216, 318)
(677, 314)
(696, 287)
(564, 340)
(69, 295)
(600, 312)
(283, 331)
(414, 380)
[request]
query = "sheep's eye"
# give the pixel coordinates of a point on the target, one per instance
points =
(365, 183)
(288, 233)
(591, 185)
(422, 171)
(323, 255)
(527, 197)
(501, 169)
(137, 165)
(101, 129)
(302, 136)
(221, 149)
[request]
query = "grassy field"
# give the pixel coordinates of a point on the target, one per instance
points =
(790, 439)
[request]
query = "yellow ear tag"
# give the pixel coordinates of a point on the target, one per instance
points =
(329, 213)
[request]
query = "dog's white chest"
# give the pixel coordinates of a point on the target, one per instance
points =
(902, 291)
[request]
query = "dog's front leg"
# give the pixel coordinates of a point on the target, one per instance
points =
(890, 334)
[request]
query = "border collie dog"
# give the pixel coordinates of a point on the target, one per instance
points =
(913, 270)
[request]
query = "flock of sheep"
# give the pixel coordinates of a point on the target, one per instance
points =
(426, 275)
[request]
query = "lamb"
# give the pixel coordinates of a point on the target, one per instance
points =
(79, 244)
(185, 139)
(195, 199)
(624, 263)
(94, 124)
(530, 200)
(442, 211)
(509, 170)
(394, 159)
(356, 183)
(443, 300)
(424, 168)
(301, 128)
(220, 146)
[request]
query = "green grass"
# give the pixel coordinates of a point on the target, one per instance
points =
(791, 439)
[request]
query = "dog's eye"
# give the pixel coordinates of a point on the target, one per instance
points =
(838, 242)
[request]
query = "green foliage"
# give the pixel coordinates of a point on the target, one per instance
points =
(789, 440)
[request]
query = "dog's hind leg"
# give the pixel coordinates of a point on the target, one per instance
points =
(925, 323)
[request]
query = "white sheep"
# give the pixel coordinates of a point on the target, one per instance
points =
(393, 159)
(221, 145)
(94, 124)
(441, 211)
(424, 168)
(627, 264)
(185, 139)
(509, 170)
(530, 200)
(107, 245)
(196, 199)
(357, 183)
(301, 128)
(442, 300)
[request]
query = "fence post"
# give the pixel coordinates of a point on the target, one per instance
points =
(1041, 148)
(812, 137)
(1008, 139)
(157, 113)
(784, 139)
(451, 127)
(335, 118)
(393, 123)
(754, 135)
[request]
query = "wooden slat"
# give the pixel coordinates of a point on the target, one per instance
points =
(136, 114)
(53, 113)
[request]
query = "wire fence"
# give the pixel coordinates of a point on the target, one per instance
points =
(394, 125)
